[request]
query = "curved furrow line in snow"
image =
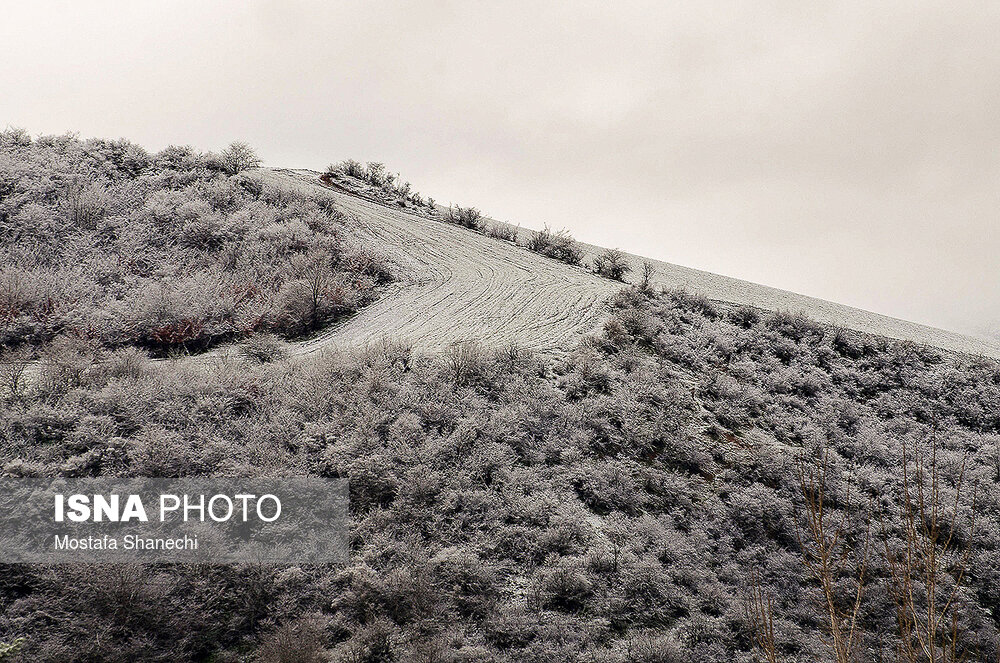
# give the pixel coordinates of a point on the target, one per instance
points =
(460, 285)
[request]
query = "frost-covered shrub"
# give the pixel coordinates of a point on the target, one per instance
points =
(744, 316)
(566, 588)
(298, 641)
(262, 348)
(348, 167)
(559, 245)
(65, 361)
(612, 264)
(375, 173)
(237, 157)
(467, 217)
(502, 231)
(464, 362)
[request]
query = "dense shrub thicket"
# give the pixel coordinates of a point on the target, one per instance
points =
(612, 507)
(174, 250)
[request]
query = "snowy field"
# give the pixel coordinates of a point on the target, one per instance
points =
(459, 285)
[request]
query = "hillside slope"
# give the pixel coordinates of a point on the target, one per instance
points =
(460, 285)
(728, 289)
(617, 505)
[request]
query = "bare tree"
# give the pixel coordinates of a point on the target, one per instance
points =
(758, 608)
(646, 282)
(316, 278)
(928, 572)
(827, 554)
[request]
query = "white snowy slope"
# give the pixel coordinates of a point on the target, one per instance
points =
(459, 285)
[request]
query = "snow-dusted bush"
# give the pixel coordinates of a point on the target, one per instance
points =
(237, 157)
(613, 264)
(467, 217)
(559, 245)
(262, 348)
(347, 167)
(502, 231)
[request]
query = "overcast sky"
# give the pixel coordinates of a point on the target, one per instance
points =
(846, 150)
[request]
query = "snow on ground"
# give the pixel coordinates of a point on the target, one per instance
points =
(459, 285)
(728, 289)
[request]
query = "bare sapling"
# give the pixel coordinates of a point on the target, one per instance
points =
(928, 569)
(830, 557)
(758, 609)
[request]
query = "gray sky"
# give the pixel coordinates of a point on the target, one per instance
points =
(846, 150)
